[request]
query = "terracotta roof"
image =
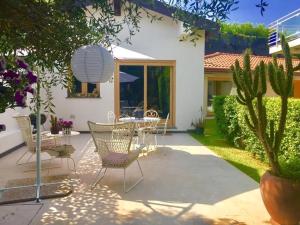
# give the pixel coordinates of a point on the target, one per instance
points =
(221, 62)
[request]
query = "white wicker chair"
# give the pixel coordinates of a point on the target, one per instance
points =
(151, 113)
(49, 145)
(148, 132)
(111, 117)
(162, 128)
(113, 144)
(30, 139)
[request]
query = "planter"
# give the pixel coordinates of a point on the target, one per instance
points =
(281, 198)
(66, 130)
(54, 130)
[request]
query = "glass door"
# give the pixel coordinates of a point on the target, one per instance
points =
(158, 89)
(131, 80)
(145, 85)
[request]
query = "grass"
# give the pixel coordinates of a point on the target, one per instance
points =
(240, 159)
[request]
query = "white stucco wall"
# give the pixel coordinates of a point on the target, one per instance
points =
(80, 110)
(159, 40)
(12, 136)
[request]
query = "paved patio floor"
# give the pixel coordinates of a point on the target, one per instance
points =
(184, 183)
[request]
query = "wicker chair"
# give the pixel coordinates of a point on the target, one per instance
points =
(162, 128)
(148, 132)
(151, 113)
(49, 145)
(111, 117)
(30, 139)
(113, 144)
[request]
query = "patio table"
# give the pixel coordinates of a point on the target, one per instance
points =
(143, 126)
(140, 120)
(62, 135)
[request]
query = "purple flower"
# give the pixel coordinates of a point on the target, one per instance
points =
(9, 75)
(29, 89)
(17, 81)
(65, 123)
(20, 98)
(31, 78)
(22, 64)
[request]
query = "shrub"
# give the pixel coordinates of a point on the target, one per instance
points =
(221, 120)
(230, 120)
(225, 109)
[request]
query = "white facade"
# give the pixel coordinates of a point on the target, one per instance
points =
(12, 136)
(158, 40)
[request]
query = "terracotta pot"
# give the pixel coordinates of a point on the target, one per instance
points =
(281, 198)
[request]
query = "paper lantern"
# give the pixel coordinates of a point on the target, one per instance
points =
(92, 64)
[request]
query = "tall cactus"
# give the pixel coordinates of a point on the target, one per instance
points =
(251, 88)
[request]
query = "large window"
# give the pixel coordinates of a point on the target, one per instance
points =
(145, 85)
(77, 89)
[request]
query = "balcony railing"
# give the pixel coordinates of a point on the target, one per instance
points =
(288, 25)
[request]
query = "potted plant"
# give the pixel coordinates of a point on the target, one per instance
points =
(280, 192)
(66, 126)
(32, 117)
(199, 124)
(54, 129)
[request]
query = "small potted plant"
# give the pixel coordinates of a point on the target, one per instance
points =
(66, 126)
(199, 124)
(54, 129)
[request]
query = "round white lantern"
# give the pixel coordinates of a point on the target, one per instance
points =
(92, 64)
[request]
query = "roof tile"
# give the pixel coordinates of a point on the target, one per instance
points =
(220, 61)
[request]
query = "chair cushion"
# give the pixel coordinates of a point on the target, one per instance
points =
(119, 160)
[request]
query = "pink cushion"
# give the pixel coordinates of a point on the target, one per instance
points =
(119, 160)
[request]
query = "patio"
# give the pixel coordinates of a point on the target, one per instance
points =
(184, 183)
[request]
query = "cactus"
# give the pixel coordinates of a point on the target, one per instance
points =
(251, 88)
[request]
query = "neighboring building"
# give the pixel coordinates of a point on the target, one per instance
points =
(289, 25)
(218, 76)
(156, 70)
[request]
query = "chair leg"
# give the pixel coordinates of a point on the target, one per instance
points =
(155, 140)
(99, 179)
(74, 165)
(136, 183)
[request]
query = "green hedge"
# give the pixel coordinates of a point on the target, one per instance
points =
(225, 110)
(230, 120)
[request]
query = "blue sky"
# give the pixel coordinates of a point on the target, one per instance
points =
(247, 11)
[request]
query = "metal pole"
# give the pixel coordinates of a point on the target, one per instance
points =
(38, 142)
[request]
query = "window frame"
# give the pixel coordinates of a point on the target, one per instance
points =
(84, 90)
(145, 64)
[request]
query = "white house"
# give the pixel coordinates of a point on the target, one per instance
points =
(156, 70)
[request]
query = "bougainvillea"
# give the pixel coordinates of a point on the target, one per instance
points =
(16, 81)
(65, 123)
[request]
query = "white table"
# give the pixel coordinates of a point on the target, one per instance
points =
(140, 120)
(144, 132)
(67, 137)
(65, 150)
